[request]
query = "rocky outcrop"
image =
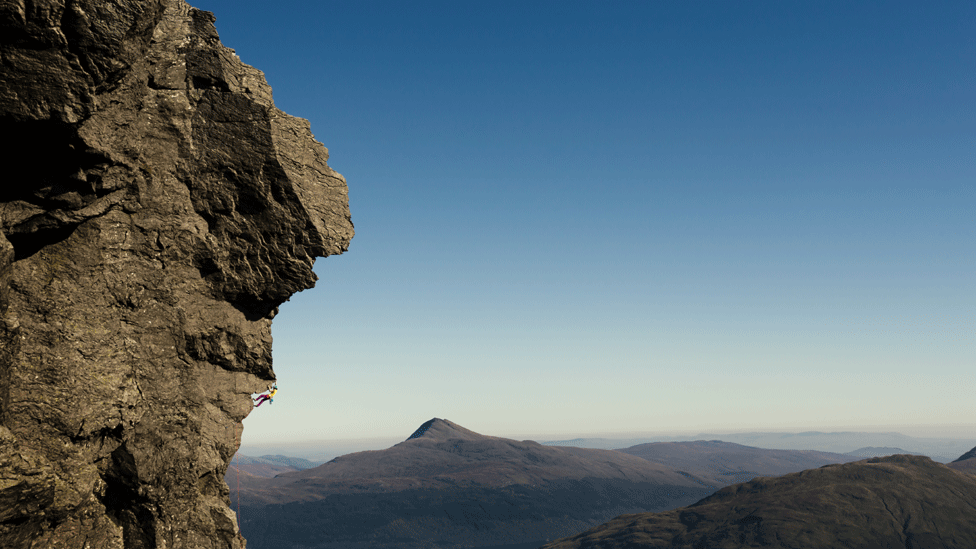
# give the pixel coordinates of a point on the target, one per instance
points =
(156, 210)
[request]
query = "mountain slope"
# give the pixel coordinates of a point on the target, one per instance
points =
(266, 466)
(897, 501)
(875, 451)
(939, 449)
(443, 454)
(968, 455)
(447, 486)
(966, 463)
(724, 463)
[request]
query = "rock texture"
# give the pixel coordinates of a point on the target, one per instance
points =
(898, 501)
(156, 209)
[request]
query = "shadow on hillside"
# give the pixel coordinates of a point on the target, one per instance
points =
(500, 518)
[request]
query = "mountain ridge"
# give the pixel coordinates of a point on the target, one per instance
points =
(723, 463)
(442, 453)
(268, 465)
(451, 487)
(939, 449)
(966, 462)
(879, 451)
(968, 455)
(873, 503)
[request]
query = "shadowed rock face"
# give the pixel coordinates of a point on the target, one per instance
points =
(156, 210)
(897, 501)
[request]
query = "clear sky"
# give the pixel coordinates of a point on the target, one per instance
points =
(590, 217)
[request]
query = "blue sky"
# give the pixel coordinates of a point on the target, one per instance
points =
(607, 217)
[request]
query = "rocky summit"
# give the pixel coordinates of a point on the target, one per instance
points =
(156, 210)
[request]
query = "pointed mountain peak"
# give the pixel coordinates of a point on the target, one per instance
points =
(439, 429)
(968, 455)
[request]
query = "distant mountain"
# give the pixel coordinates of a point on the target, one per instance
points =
(447, 486)
(603, 443)
(968, 455)
(939, 449)
(896, 501)
(283, 461)
(268, 466)
(724, 463)
(875, 451)
(443, 453)
(318, 451)
(966, 463)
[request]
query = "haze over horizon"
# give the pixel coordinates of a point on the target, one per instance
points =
(335, 447)
(660, 217)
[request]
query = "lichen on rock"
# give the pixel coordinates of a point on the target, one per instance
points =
(156, 211)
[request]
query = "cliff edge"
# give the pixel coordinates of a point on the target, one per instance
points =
(156, 210)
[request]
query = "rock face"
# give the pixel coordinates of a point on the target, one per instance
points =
(156, 210)
(897, 501)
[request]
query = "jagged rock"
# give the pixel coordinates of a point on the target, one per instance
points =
(156, 210)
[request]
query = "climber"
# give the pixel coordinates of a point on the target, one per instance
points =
(269, 396)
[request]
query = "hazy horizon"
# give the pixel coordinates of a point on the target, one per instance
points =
(657, 216)
(958, 431)
(324, 450)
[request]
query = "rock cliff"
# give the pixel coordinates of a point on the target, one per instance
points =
(156, 209)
